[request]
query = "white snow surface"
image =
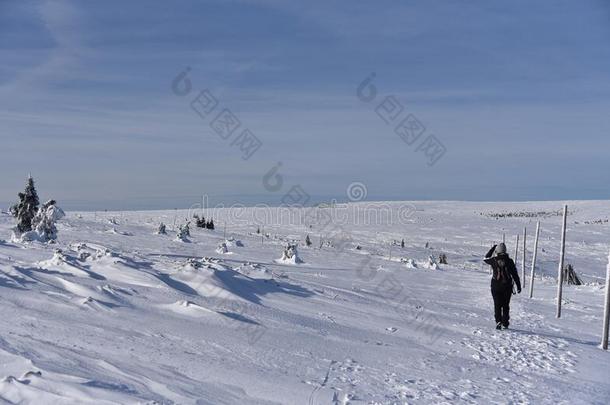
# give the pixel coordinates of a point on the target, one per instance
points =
(123, 315)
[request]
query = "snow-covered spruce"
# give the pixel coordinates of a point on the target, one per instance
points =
(25, 210)
(162, 229)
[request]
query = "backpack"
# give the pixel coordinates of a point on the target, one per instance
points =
(502, 273)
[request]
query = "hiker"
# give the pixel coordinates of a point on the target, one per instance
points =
(504, 274)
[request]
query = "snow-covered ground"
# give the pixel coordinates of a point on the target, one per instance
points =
(123, 315)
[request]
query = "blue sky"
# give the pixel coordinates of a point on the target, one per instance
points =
(517, 92)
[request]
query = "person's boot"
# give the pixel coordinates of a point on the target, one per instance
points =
(498, 325)
(505, 325)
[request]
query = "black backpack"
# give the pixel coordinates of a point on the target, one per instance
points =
(503, 275)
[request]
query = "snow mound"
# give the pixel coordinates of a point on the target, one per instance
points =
(409, 263)
(117, 232)
(96, 305)
(231, 242)
(254, 270)
(64, 263)
(189, 308)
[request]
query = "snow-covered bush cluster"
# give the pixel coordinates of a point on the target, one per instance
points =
(35, 223)
(201, 222)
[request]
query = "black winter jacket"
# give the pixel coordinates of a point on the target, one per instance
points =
(504, 270)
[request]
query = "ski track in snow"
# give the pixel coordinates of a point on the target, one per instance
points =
(123, 315)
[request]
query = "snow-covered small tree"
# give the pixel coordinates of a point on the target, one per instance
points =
(442, 258)
(183, 233)
(222, 248)
(291, 254)
(199, 222)
(25, 210)
(402, 243)
(307, 241)
(162, 229)
(431, 263)
(210, 224)
(44, 221)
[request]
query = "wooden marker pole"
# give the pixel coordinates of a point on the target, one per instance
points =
(534, 260)
(516, 250)
(523, 258)
(606, 308)
(561, 258)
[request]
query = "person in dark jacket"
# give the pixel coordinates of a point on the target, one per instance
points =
(504, 275)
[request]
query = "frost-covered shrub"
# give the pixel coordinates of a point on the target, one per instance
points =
(162, 230)
(410, 263)
(431, 263)
(199, 222)
(183, 233)
(44, 221)
(231, 241)
(442, 258)
(291, 254)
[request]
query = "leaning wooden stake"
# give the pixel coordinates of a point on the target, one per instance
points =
(534, 260)
(523, 258)
(606, 308)
(561, 258)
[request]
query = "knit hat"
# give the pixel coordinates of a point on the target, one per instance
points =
(501, 249)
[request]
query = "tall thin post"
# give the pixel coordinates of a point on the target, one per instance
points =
(516, 250)
(561, 258)
(606, 308)
(523, 258)
(534, 260)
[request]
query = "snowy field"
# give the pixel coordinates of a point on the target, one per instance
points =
(123, 315)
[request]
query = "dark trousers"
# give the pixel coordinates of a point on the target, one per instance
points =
(501, 295)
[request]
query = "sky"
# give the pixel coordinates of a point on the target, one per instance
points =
(515, 93)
